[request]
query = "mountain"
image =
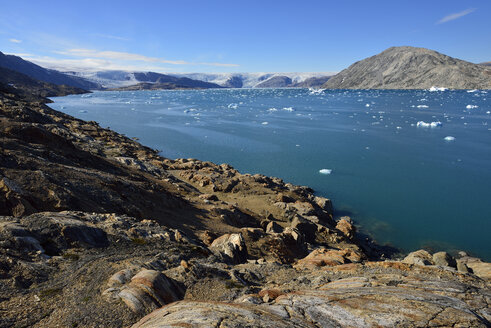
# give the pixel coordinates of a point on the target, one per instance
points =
(47, 75)
(411, 68)
(29, 88)
(312, 82)
(119, 79)
(279, 81)
(486, 64)
(158, 86)
(259, 80)
(116, 79)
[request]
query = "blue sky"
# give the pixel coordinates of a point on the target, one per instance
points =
(237, 36)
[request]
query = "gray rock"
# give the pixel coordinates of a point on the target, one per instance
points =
(230, 247)
(420, 257)
(444, 259)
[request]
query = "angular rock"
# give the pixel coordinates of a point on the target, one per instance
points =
(307, 228)
(231, 247)
(345, 225)
(273, 227)
(420, 257)
(444, 259)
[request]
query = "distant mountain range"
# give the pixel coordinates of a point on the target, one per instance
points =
(394, 68)
(411, 68)
(117, 79)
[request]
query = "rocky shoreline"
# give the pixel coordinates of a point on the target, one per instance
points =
(98, 230)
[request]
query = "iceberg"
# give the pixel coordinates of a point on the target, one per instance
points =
(325, 171)
(433, 89)
(422, 124)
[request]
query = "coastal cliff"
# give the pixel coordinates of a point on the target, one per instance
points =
(98, 230)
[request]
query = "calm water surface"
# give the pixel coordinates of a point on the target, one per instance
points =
(402, 183)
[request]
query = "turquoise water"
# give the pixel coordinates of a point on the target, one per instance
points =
(403, 184)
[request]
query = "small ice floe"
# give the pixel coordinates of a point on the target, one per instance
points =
(471, 91)
(433, 89)
(422, 124)
(398, 127)
(265, 123)
(233, 106)
(316, 91)
(82, 111)
(272, 109)
(288, 109)
(367, 105)
(325, 171)
(488, 112)
(449, 138)
(471, 106)
(297, 145)
(422, 106)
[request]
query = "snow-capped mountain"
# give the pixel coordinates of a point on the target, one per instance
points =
(115, 79)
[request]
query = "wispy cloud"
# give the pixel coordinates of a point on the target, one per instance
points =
(126, 56)
(455, 16)
(15, 40)
(87, 64)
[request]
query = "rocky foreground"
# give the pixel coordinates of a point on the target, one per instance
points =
(97, 230)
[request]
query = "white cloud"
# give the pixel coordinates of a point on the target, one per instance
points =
(452, 17)
(15, 40)
(87, 64)
(126, 56)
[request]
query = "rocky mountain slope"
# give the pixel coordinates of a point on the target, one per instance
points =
(411, 68)
(97, 230)
(28, 86)
(37, 72)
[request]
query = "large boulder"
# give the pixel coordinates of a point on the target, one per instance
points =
(420, 257)
(230, 247)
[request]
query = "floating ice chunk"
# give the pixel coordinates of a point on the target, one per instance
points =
(422, 106)
(398, 127)
(325, 171)
(471, 106)
(82, 111)
(471, 91)
(422, 124)
(433, 89)
(288, 109)
(272, 109)
(265, 123)
(233, 106)
(449, 138)
(367, 105)
(488, 112)
(316, 91)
